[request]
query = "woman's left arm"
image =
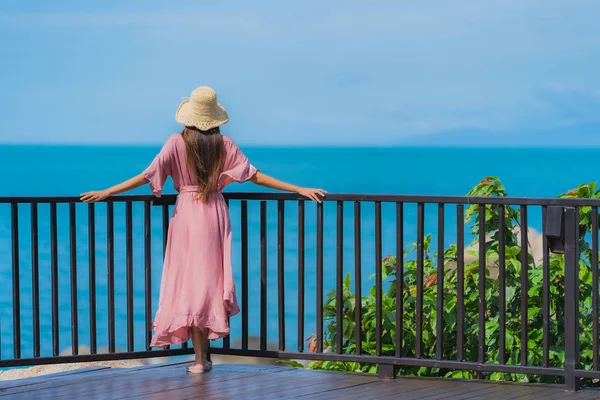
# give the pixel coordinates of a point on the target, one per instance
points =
(130, 184)
(265, 180)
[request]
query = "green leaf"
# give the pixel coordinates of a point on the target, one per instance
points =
(510, 293)
(290, 363)
(532, 311)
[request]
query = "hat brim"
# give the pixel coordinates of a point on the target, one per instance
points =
(186, 116)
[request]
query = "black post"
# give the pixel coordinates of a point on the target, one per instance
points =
(571, 298)
(386, 371)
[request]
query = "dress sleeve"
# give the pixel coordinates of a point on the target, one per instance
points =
(160, 168)
(237, 168)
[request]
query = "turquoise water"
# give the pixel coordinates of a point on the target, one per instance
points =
(69, 170)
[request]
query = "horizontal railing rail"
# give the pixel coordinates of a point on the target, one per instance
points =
(170, 199)
(38, 245)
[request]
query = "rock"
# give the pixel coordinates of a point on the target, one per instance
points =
(534, 239)
(38, 370)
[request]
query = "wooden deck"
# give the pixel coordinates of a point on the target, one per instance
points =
(236, 381)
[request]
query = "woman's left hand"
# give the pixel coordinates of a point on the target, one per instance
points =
(92, 197)
(313, 194)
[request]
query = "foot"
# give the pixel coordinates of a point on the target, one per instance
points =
(199, 368)
(209, 363)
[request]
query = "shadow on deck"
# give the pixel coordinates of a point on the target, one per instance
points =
(236, 381)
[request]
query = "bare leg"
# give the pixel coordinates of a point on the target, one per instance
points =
(200, 342)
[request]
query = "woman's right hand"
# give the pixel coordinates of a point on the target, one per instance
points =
(312, 194)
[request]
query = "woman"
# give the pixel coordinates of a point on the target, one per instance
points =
(197, 292)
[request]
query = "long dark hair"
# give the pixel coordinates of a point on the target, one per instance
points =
(205, 157)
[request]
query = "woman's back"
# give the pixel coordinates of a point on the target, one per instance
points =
(173, 161)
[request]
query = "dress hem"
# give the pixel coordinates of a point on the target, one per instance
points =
(179, 331)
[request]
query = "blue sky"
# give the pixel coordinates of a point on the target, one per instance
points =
(512, 72)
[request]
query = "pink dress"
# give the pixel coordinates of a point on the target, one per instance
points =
(197, 287)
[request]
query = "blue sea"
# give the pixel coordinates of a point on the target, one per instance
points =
(71, 170)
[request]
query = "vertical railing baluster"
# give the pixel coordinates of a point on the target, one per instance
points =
(319, 277)
(460, 280)
(35, 280)
(545, 293)
(263, 276)
(339, 278)
(280, 273)
(439, 326)
(399, 277)
(148, 273)
(571, 297)
(129, 272)
(92, 273)
(15, 278)
(501, 285)
(419, 299)
(165, 234)
(524, 276)
(226, 339)
(594, 266)
(301, 275)
(165, 226)
(73, 247)
(245, 305)
(54, 278)
(378, 280)
(481, 272)
(357, 278)
(110, 272)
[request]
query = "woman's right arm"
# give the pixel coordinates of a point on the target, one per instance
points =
(156, 174)
(132, 183)
(265, 180)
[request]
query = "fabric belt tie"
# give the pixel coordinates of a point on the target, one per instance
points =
(188, 189)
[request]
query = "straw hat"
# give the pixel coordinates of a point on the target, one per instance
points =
(202, 110)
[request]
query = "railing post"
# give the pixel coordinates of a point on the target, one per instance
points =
(386, 371)
(571, 297)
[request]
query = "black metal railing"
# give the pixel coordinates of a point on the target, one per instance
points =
(140, 208)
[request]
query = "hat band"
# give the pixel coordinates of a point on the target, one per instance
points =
(203, 109)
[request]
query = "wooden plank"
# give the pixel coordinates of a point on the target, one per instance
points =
(100, 375)
(519, 390)
(375, 389)
(177, 383)
(43, 378)
(179, 380)
(292, 379)
(538, 394)
(211, 384)
(582, 394)
(504, 390)
(409, 388)
(540, 391)
(588, 394)
(309, 388)
(459, 388)
(360, 392)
